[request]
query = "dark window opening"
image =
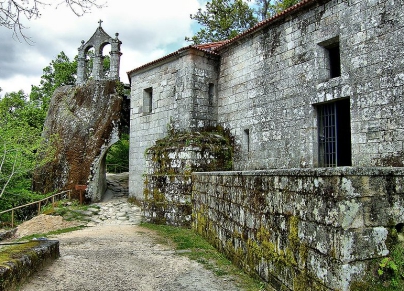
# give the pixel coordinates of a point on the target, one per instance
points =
(211, 93)
(334, 134)
(247, 139)
(334, 60)
(147, 100)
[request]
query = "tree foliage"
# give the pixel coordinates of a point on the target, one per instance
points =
(21, 124)
(269, 8)
(20, 129)
(280, 5)
(222, 19)
(60, 72)
(118, 155)
(14, 12)
(263, 9)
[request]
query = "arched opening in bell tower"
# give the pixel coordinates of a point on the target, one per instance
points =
(89, 55)
(105, 52)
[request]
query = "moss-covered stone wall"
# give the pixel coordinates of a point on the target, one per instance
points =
(169, 164)
(19, 261)
(301, 229)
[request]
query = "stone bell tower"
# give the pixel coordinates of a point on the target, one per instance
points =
(98, 41)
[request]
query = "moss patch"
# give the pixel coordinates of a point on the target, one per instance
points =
(170, 162)
(385, 274)
(18, 261)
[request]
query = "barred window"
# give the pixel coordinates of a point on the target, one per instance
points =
(334, 134)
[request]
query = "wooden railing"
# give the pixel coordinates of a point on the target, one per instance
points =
(42, 202)
(116, 168)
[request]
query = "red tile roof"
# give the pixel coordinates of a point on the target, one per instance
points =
(210, 46)
(207, 48)
(258, 26)
(152, 63)
(215, 47)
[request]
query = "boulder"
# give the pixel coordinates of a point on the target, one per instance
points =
(82, 123)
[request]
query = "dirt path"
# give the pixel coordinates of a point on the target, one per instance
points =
(122, 257)
(115, 254)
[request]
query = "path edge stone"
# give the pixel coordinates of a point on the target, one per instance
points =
(16, 270)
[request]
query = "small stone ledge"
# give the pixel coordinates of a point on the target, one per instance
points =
(338, 171)
(17, 262)
(6, 234)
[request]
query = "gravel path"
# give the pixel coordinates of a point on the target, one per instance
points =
(115, 254)
(121, 257)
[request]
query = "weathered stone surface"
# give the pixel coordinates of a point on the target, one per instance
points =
(281, 224)
(99, 39)
(175, 106)
(6, 234)
(168, 184)
(25, 260)
(270, 82)
(82, 123)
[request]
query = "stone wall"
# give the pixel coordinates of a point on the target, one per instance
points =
(271, 82)
(179, 89)
(169, 164)
(20, 261)
(301, 229)
(268, 87)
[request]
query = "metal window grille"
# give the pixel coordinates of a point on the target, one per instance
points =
(327, 132)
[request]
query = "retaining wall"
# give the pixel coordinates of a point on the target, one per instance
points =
(21, 260)
(169, 163)
(301, 228)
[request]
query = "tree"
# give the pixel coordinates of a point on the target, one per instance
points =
(60, 72)
(222, 19)
(269, 8)
(263, 8)
(21, 122)
(14, 12)
(118, 155)
(19, 140)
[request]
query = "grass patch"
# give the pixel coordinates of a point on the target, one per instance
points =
(200, 250)
(54, 232)
(69, 210)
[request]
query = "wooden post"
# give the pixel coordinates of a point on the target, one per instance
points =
(81, 188)
(12, 218)
(39, 207)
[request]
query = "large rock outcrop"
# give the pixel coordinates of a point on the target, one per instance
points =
(82, 123)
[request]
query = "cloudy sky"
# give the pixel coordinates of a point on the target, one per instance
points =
(148, 29)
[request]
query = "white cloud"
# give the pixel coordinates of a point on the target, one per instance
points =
(148, 30)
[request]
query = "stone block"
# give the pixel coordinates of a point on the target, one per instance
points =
(357, 245)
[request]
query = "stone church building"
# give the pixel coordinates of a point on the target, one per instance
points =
(313, 99)
(319, 85)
